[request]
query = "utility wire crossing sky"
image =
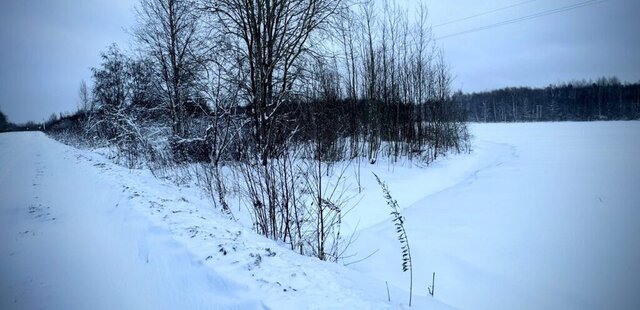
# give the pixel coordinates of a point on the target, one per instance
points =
(50, 46)
(516, 20)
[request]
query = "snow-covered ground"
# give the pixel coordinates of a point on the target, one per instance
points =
(540, 215)
(78, 232)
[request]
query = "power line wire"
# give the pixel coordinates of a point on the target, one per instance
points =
(527, 17)
(482, 13)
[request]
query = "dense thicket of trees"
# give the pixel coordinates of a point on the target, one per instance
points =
(603, 99)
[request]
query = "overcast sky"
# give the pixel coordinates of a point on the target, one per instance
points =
(588, 42)
(48, 46)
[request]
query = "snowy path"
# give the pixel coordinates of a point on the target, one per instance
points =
(542, 216)
(70, 240)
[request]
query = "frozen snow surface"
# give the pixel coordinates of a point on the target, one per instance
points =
(538, 216)
(78, 232)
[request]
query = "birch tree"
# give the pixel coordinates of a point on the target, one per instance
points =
(268, 39)
(169, 32)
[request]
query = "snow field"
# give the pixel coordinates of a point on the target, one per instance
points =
(543, 216)
(539, 216)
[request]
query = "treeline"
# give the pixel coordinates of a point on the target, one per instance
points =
(263, 98)
(604, 99)
(6, 125)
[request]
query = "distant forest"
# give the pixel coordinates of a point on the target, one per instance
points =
(603, 99)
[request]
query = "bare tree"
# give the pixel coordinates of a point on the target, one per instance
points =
(169, 32)
(268, 39)
(84, 97)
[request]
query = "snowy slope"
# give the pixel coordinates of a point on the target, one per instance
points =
(540, 216)
(78, 232)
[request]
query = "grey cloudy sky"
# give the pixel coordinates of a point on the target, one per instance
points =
(48, 46)
(588, 42)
